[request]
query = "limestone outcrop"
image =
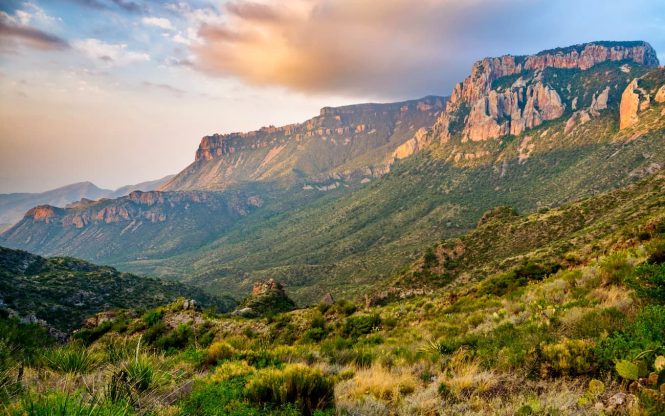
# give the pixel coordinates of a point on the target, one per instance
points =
(486, 113)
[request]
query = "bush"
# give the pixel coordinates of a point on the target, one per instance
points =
(309, 389)
(177, 339)
(568, 357)
(649, 282)
(645, 334)
(219, 351)
(70, 360)
(356, 326)
(614, 269)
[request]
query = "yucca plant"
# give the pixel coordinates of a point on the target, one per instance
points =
(70, 360)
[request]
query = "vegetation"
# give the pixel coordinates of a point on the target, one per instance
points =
(63, 291)
(518, 329)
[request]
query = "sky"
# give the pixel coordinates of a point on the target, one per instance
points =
(121, 91)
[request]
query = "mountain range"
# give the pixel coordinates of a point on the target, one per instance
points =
(13, 206)
(344, 200)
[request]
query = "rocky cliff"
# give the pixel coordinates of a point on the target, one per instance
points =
(639, 96)
(479, 110)
(137, 223)
(342, 143)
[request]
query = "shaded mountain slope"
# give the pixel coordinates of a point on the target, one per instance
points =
(63, 291)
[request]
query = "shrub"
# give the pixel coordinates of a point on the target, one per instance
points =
(177, 339)
(649, 282)
(219, 351)
(152, 317)
(70, 360)
(615, 268)
(645, 334)
(568, 357)
(356, 326)
(314, 335)
(309, 389)
(232, 369)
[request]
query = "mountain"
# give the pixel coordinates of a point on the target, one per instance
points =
(348, 143)
(141, 224)
(531, 132)
(554, 312)
(13, 206)
(60, 292)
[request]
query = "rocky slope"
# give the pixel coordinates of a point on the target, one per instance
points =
(13, 206)
(61, 292)
(143, 223)
(351, 143)
(478, 110)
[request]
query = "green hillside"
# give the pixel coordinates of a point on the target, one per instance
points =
(557, 312)
(62, 291)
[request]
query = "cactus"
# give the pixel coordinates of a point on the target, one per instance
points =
(627, 369)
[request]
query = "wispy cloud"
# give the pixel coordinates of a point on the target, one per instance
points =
(160, 22)
(116, 54)
(16, 29)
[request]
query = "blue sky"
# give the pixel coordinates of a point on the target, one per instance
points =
(121, 91)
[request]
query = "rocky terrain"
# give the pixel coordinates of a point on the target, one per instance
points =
(352, 143)
(14, 206)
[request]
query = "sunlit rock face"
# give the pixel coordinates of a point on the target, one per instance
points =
(488, 114)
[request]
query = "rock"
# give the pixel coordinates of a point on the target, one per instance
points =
(190, 304)
(267, 297)
(512, 111)
(415, 144)
(630, 104)
(581, 117)
(328, 299)
(600, 102)
(617, 400)
(660, 95)
(245, 313)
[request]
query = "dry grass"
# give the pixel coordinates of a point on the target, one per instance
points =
(380, 383)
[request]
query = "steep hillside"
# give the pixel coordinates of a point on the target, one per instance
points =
(351, 143)
(584, 336)
(61, 292)
(14, 206)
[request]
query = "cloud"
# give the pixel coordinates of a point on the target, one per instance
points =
(159, 22)
(116, 54)
(15, 28)
(391, 48)
(163, 88)
(126, 5)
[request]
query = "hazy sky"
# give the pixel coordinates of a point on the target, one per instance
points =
(121, 91)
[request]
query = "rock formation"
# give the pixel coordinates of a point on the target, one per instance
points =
(526, 103)
(660, 95)
(630, 105)
(267, 297)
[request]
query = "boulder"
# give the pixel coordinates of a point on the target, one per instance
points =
(629, 107)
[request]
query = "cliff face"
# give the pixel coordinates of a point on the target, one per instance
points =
(343, 143)
(486, 112)
(640, 95)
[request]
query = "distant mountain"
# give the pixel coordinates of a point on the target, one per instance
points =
(532, 132)
(61, 291)
(14, 205)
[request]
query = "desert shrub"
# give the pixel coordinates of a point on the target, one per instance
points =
(21, 342)
(314, 335)
(346, 307)
(519, 276)
(70, 360)
(154, 332)
(307, 388)
(615, 268)
(657, 255)
(219, 351)
(177, 339)
(152, 317)
(218, 399)
(231, 369)
(90, 335)
(649, 282)
(567, 357)
(355, 326)
(597, 322)
(645, 334)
